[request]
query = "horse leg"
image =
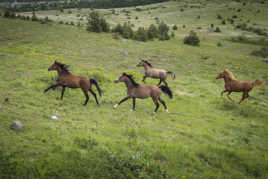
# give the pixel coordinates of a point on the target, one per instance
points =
(164, 104)
(62, 92)
(224, 91)
(229, 96)
(144, 78)
(51, 87)
(86, 95)
(165, 82)
(94, 94)
(155, 100)
(245, 95)
(159, 82)
(134, 103)
(123, 100)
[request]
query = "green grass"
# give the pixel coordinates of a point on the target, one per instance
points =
(203, 136)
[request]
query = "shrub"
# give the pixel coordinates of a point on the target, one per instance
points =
(218, 29)
(219, 16)
(172, 34)
(192, 39)
(174, 27)
(263, 52)
(34, 18)
(152, 32)
(96, 23)
(223, 22)
(141, 35)
(219, 44)
(127, 31)
(163, 31)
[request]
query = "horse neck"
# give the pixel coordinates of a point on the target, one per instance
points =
(227, 79)
(60, 71)
(129, 85)
(146, 67)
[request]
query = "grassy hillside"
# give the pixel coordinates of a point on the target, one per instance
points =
(203, 136)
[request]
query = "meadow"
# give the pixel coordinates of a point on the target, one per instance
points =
(203, 136)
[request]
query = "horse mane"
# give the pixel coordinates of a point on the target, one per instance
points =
(145, 61)
(64, 67)
(131, 79)
(229, 74)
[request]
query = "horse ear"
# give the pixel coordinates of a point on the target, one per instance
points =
(55, 61)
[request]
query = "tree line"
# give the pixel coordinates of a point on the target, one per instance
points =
(30, 5)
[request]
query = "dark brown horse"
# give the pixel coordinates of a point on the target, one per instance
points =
(134, 90)
(66, 79)
(154, 72)
(233, 85)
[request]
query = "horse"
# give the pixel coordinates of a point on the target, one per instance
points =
(233, 85)
(66, 79)
(135, 90)
(154, 72)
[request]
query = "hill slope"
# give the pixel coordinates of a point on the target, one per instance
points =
(203, 136)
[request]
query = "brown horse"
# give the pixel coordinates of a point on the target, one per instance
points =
(233, 85)
(66, 79)
(134, 90)
(154, 72)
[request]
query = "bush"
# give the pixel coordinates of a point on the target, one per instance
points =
(192, 39)
(127, 31)
(96, 23)
(223, 22)
(218, 29)
(163, 31)
(141, 35)
(219, 16)
(174, 27)
(152, 32)
(34, 18)
(263, 52)
(219, 44)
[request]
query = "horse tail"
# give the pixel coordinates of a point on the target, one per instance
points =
(257, 82)
(166, 90)
(92, 81)
(173, 76)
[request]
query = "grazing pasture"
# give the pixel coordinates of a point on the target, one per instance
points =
(202, 136)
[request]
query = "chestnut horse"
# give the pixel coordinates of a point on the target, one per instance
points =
(154, 72)
(66, 79)
(233, 85)
(134, 90)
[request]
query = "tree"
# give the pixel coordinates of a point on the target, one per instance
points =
(163, 31)
(192, 39)
(152, 32)
(96, 23)
(141, 35)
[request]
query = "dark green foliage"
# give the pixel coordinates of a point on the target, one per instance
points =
(9, 14)
(97, 23)
(163, 31)
(141, 34)
(152, 32)
(127, 31)
(34, 18)
(219, 44)
(223, 22)
(217, 29)
(192, 39)
(174, 27)
(219, 16)
(263, 52)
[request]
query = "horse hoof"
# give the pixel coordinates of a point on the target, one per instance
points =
(131, 110)
(167, 110)
(115, 106)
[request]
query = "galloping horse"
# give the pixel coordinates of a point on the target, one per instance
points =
(134, 90)
(66, 79)
(233, 85)
(154, 72)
